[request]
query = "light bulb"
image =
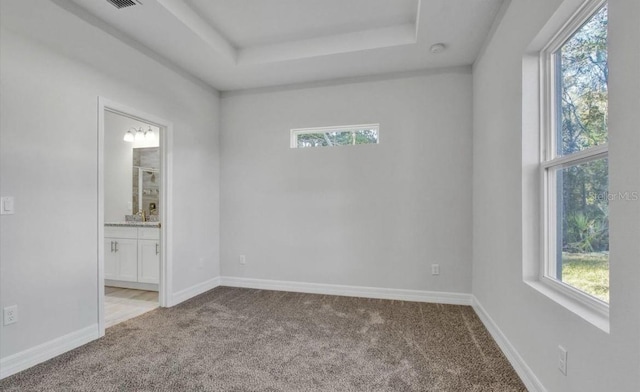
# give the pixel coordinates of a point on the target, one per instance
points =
(139, 135)
(128, 137)
(150, 135)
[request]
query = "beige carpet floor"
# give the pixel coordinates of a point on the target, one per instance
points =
(232, 339)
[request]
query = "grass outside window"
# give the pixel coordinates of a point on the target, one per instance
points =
(588, 272)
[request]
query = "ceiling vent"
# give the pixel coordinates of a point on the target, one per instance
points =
(123, 3)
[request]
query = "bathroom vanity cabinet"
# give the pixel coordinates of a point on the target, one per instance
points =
(132, 255)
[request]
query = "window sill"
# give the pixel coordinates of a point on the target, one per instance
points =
(597, 318)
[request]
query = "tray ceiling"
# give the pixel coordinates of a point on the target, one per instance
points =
(243, 44)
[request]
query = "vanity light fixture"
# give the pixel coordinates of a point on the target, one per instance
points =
(138, 135)
(129, 137)
(150, 135)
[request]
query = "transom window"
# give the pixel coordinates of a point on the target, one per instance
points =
(575, 159)
(335, 136)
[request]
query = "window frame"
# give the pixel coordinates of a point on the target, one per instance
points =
(551, 161)
(339, 128)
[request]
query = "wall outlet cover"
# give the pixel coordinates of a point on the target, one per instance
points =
(10, 315)
(562, 360)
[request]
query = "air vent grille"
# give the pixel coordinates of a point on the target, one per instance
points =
(123, 3)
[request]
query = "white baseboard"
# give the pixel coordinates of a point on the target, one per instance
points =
(25, 359)
(131, 285)
(194, 290)
(350, 291)
(524, 371)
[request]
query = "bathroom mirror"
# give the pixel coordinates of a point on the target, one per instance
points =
(146, 181)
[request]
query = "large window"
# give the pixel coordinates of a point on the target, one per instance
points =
(574, 159)
(334, 136)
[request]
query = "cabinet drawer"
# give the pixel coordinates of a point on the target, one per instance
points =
(148, 233)
(121, 232)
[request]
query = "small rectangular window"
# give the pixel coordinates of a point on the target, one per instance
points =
(335, 136)
(574, 159)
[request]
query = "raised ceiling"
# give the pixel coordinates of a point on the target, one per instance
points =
(273, 22)
(240, 44)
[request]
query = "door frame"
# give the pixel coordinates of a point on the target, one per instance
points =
(166, 201)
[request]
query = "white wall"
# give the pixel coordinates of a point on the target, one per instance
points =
(118, 163)
(534, 324)
(53, 68)
(367, 215)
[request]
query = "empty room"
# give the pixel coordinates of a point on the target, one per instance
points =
(320, 195)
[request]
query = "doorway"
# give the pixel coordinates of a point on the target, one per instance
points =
(134, 213)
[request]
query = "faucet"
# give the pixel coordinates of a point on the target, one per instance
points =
(142, 215)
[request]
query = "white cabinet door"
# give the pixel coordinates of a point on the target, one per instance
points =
(126, 251)
(110, 259)
(148, 261)
(121, 259)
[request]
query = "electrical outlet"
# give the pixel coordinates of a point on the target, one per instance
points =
(435, 269)
(201, 262)
(10, 314)
(243, 259)
(562, 360)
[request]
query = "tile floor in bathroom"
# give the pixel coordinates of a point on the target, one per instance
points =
(123, 304)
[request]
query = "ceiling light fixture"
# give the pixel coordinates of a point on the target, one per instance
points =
(437, 48)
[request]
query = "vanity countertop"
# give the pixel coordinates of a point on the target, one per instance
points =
(133, 224)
